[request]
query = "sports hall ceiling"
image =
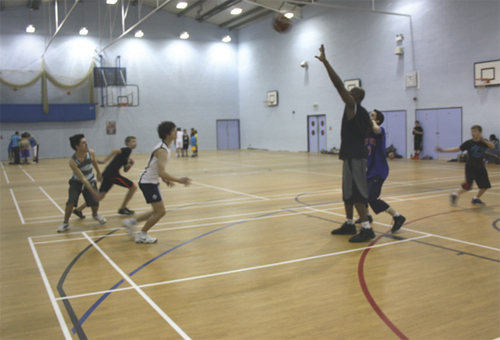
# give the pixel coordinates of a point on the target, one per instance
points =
(216, 12)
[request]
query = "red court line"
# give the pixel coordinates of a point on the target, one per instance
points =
(362, 281)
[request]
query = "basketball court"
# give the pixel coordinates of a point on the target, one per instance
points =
(245, 252)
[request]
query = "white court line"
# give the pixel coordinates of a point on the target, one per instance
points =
(6, 178)
(27, 174)
(139, 290)
(17, 206)
(57, 310)
(423, 232)
(50, 198)
(235, 192)
(246, 269)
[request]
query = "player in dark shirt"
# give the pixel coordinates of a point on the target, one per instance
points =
(111, 175)
(355, 126)
(474, 168)
(418, 136)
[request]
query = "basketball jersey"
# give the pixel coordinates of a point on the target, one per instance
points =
(353, 133)
(376, 165)
(85, 167)
(121, 159)
(179, 136)
(150, 174)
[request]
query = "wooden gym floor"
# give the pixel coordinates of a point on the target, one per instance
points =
(246, 252)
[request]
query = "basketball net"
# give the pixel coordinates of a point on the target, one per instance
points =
(481, 84)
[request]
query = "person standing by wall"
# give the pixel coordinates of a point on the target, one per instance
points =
(418, 134)
(15, 147)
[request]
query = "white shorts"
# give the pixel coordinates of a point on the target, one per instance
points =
(178, 144)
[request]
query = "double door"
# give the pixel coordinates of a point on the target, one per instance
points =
(316, 132)
(228, 134)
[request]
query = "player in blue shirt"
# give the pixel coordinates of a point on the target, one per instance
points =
(377, 171)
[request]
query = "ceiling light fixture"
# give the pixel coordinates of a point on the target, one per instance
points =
(84, 31)
(184, 35)
(289, 15)
(111, 2)
(181, 5)
(226, 39)
(236, 11)
(139, 34)
(30, 29)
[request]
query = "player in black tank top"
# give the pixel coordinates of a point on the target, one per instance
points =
(355, 126)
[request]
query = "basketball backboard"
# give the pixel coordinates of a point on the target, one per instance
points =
(489, 70)
(124, 95)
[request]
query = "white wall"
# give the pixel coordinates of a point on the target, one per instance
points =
(197, 81)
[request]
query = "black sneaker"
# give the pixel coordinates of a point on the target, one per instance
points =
(79, 214)
(345, 229)
(125, 211)
(398, 223)
(365, 235)
(370, 219)
(477, 201)
(453, 200)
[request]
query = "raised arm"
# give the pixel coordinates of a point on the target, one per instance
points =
(338, 83)
(488, 143)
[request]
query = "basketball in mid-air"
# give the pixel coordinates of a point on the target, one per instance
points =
(282, 24)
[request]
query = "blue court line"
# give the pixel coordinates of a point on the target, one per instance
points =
(104, 296)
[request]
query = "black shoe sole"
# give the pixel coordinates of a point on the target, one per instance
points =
(396, 227)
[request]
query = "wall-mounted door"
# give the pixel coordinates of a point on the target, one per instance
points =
(316, 132)
(442, 127)
(228, 134)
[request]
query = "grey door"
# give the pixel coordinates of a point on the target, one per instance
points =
(442, 127)
(228, 134)
(316, 132)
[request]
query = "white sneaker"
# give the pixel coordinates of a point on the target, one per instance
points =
(63, 227)
(100, 219)
(141, 237)
(130, 224)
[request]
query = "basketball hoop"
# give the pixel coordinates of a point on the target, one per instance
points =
(481, 83)
(123, 104)
(267, 103)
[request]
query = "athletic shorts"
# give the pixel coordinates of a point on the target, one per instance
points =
(178, 144)
(151, 192)
(185, 146)
(374, 191)
(419, 146)
(354, 186)
(478, 174)
(107, 183)
(76, 188)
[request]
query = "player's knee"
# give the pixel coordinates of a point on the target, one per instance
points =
(133, 188)
(466, 186)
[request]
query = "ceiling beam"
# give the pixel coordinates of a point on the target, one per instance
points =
(265, 15)
(246, 14)
(217, 9)
(190, 8)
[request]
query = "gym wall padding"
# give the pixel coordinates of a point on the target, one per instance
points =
(26, 113)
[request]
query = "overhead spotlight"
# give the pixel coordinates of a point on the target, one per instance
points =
(227, 38)
(236, 11)
(181, 5)
(289, 15)
(84, 31)
(30, 29)
(111, 2)
(139, 34)
(184, 35)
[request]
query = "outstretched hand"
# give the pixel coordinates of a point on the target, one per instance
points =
(185, 180)
(321, 57)
(439, 149)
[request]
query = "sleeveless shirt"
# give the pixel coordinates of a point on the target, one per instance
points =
(150, 174)
(85, 167)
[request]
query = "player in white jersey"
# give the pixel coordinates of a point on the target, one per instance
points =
(149, 183)
(178, 143)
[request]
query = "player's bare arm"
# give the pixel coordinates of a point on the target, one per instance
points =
(161, 154)
(96, 166)
(488, 143)
(110, 156)
(439, 149)
(338, 83)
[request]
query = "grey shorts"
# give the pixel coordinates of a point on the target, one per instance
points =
(76, 188)
(354, 186)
